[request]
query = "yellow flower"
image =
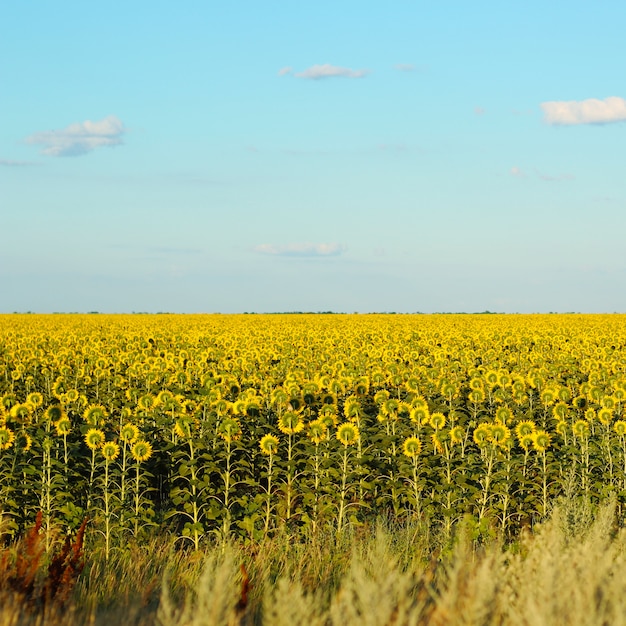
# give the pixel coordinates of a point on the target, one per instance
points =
(268, 444)
(438, 421)
(63, 426)
(94, 438)
(620, 428)
(457, 434)
(95, 415)
(229, 429)
(541, 441)
(482, 434)
(141, 451)
(411, 447)
(129, 433)
(347, 433)
(110, 451)
(581, 429)
(290, 422)
(318, 431)
(7, 437)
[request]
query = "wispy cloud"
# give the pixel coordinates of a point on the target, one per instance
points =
(479, 110)
(79, 138)
(11, 163)
(591, 111)
(554, 178)
(301, 249)
(283, 71)
(516, 172)
(318, 72)
(405, 67)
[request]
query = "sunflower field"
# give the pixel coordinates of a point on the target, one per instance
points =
(209, 426)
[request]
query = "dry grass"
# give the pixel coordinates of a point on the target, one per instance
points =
(570, 570)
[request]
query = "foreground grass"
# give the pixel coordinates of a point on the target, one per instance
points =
(570, 570)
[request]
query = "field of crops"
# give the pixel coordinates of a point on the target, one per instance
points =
(211, 426)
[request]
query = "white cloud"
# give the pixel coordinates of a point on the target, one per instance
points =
(591, 111)
(516, 171)
(301, 249)
(12, 163)
(79, 138)
(316, 72)
(285, 70)
(405, 67)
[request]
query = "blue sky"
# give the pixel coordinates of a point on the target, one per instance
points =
(282, 156)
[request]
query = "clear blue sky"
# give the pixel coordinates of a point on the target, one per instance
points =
(278, 156)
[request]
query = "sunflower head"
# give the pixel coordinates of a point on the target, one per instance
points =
(347, 433)
(141, 451)
(229, 429)
(318, 431)
(541, 441)
(290, 422)
(457, 434)
(129, 433)
(95, 415)
(605, 416)
(581, 429)
(482, 435)
(438, 421)
(110, 451)
(620, 428)
(269, 444)
(411, 447)
(94, 438)
(7, 436)
(63, 426)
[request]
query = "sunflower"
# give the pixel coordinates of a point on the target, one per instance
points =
(141, 451)
(318, 431)
(457, 434)
(420, 415)
(605, 416)
(438, 421)
(94, 438)
(541, 441)
(35, 399)
(229, 429)
(290, 422)
(437, 442)
(620, 428)
(526, 441)
(268, 444)
(63, 426)
(95, 415)
(352, 408)
(500, 434)
(482, 434)
(561, 428)
(525, 428)
(21, 413)
(54, 413)
(411, 447)
(129, 433)
(110, 451)
(504, 415)
(347, 433)
(7, 437)
(581, 429)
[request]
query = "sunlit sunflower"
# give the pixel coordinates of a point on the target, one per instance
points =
(229, 429)
(438, 421)
(290, 422)
(347, 433)
(318, 431)
(268, 444)
(605, 416)
(110, 451)
(63, 426)
(95, 415)
(7, 437)
(94, 438)
(541, 441)
(482, 434)
(141, 451)
(581, 429)
(411, 447)
(129, 433)
(457, 434)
